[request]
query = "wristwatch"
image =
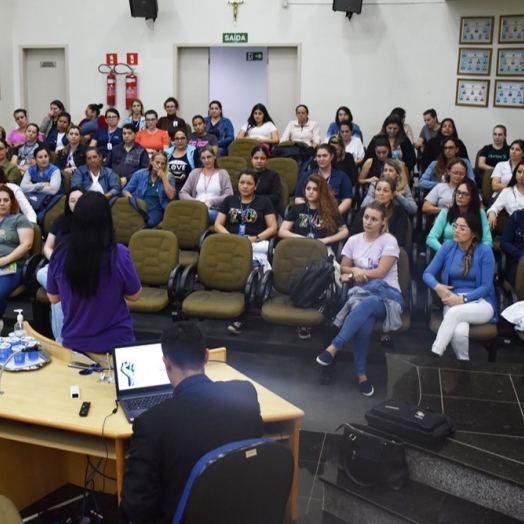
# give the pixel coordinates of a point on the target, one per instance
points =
(258, 239)
(465, 299)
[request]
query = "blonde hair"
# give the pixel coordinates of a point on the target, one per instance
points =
(402, 179)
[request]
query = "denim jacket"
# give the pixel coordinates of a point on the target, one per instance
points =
(226, 133)
(137, 186)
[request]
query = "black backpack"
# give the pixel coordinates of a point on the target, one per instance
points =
(310, 286)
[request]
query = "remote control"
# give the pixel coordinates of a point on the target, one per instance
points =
(84, 409)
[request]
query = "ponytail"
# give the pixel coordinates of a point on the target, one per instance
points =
(469, 256)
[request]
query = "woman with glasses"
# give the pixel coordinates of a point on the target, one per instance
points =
(181, 159)
(109, 137)
(436, 171)
(151, 138)
(465, 200)
(171, 122)
(208, 183)
(465, 267)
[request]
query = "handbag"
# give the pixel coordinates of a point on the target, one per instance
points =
(369, 457)
(38, 201)
(411, 422)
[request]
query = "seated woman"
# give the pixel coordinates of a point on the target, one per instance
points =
(397, 218)
(268, 181)
(395, 170)
(433, 146)
(338, 181)
(50, 120)
(136, 115)
(302, 129)
(93, 276)
(497, 151)
(74, 153)
(181, 159)
(23, 204)
(92, 122)
(155, 185)
(352, 144)
(200, 137)
(373, 166)
(220, 126)
(24, 156)
(400, 144)
(343, 114)
(466, 268)
(15, 242)
(11, 171)
(504, 170)
(512, 244)
(441, 196)
(370, 258)
(107, 138)
(208, 183)
(465, 200)
(95, 177)
(58, 232)
(260, 126)
(344, 162)
(17, 137)
(152, 138)
(436, 171)
(57, 137)
(171, 122)
(511, 198)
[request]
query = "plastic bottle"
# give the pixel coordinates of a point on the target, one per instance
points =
(19, 326)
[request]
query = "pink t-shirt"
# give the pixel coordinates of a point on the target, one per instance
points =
(366, 255)
(15, 137)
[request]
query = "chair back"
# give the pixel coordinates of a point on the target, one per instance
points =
(126, 219)
(487, 190)
(187, 219)
(155, 254)
(519, 280)
(502, 220)
(287, 168)
(55, 210)
(234, 165)
(242, 147)
(404, 274)
(225, 262)
(291, 256)
(243, 482)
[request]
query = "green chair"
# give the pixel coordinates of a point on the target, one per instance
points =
(126, 219)
(52, 213)
(234, 165)
(189, 221)
(8, 512)
(242, 147)
(225, 270)
(287, 168)
(155, 257)
(486, 190)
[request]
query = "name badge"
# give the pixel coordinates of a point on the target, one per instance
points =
(109, 146)
(242, 229)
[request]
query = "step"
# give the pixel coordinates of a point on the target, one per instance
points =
(416, 503)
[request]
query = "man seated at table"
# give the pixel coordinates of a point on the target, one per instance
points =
(170, 438)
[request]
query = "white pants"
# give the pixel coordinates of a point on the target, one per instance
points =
(455, 326)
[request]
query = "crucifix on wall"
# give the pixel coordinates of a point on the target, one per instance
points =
(235, 4)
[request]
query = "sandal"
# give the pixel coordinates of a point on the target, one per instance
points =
(386, 340)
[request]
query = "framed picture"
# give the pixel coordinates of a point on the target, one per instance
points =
(511, 29)
(510, 62)
(508, 93)
(474, 61)
(472, 92)
(476, 29)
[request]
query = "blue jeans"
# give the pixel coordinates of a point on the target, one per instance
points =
(358, 327)
(155, 217)
(8, 283)
(213, 213)
(57, 314)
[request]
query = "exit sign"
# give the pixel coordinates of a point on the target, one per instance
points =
(254, 57)
(234, 38)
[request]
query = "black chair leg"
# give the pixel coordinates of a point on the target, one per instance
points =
(492, 348)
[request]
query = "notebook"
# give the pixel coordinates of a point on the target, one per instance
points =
(140, 377)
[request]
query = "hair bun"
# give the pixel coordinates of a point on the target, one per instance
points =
(100, 106)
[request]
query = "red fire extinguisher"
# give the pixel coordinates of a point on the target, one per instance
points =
(111, 89)
(131, 89)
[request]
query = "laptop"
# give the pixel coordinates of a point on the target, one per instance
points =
(140, 377)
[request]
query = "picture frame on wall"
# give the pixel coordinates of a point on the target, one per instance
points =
(476, 30)
(509, 93)
(510, 61)
(472, 92)
(474, 61)
(511, 29)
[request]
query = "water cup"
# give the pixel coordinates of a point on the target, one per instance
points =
(19, 357)
(5, 351)
(33, 356)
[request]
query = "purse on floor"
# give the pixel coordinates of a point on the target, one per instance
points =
(369, 457)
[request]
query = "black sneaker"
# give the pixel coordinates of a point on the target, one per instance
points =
(236, 327)
(304, 333)
(366, 388)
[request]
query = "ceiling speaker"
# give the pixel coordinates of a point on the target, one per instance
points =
(348, 6)
(144, 8)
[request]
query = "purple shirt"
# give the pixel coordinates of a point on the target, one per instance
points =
(96, 324)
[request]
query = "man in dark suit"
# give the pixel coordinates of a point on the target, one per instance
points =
(171, 437)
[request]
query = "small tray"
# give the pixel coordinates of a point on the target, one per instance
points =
(43, 359)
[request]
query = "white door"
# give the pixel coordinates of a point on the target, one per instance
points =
(44, 80)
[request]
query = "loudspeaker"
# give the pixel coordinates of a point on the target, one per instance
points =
(144, 8)
(348, 6)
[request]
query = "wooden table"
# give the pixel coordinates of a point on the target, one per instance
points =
(44, 443)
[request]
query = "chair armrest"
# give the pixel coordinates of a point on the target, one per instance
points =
(29, 269)
(251, 288)
(203, 236)
(264, 286)
(185, 283)
(271, 249)
(172, 283)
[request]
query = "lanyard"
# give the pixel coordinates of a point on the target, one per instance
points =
(311, 218)
(243, 212)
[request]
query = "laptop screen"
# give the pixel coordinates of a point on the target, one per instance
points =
(139, 366)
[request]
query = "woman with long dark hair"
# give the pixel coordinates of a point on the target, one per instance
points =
(504, 170)
(220, 126)
(260, 126)
(465, 286)
(269, 183)
(511, 198)
(74, 153)
(343, 114)
(373, 166)
(93, 276)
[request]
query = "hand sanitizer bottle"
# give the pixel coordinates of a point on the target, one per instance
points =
(19, 326)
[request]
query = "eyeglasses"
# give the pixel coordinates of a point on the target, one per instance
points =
(464, 194)
(111, 117)
(180, 138)
(460, 227)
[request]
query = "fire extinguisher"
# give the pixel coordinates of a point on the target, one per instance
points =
(131, 89)
(111, 89)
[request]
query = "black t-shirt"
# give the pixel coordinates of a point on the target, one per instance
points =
(348, 166)
(252, 215)
(494, 156)
(307, 222)
(179, 166)
(60, 229)
(270, 186)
